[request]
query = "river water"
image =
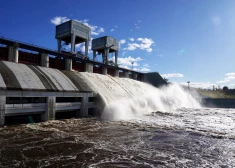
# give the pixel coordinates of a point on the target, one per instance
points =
(181, 138)
(140, 126)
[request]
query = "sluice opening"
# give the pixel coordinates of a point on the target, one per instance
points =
(92, 112)
(65, 115)
(22, 119)
(68, 99)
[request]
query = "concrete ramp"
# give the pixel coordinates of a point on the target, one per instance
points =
(15, 76)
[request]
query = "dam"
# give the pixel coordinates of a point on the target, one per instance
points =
(41, 81)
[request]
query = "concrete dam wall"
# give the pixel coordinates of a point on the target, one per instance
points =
(28, 89)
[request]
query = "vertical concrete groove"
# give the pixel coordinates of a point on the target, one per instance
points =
(67, 79)
(46, 81)
(9, 77)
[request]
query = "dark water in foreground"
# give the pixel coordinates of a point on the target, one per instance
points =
(155, 140)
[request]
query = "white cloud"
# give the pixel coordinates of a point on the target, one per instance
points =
(172, 75)
(122, 41)
(145, 44)
(146, 65)
(95, 30)
(139, 21)
(131, 39)
(145, 69)
(127, 61)
(81, 47)
(112, 30)
(58, 20)
(230, 74)
(124, 66)
(132, 46)
(232, 86)
(229, 77)
(141, 69)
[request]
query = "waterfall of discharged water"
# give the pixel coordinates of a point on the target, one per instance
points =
(125, 98)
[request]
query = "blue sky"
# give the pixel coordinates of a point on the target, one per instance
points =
(183, 40)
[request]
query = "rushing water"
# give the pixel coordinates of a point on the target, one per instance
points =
(181, 138)
(140, 126)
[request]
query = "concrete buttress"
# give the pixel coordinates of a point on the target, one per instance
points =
(13, 54)
(84, 106)
(2, 110)
(50, 109)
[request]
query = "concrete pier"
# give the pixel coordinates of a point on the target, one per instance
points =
(44, 60)
(13, 54)
(50, 109)
(86, 47)
(126, 74)
(84, 106)
(116, 57)
(135, 76)
(68, 64)
(116, 73)
(2, 110)
(104, 71)
(89, 67)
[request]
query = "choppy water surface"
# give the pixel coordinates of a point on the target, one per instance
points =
(181, 138)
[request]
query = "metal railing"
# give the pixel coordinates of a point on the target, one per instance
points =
(4, 40)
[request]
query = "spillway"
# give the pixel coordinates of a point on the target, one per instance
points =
(28, 89)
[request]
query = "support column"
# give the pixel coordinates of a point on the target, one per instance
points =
(13, 54)
(89, 67)
(116, 73)
(135, 76)
(142, 78)
(44, 60)
(126, 74)
(2, 110)
(94, 55)
(84, 106)
(116, 57)
(68, 64)
(107, 54)
(104, 71)
(72, 43)
(59, 45)
(50, 109)
(103, 57)
(86, 47)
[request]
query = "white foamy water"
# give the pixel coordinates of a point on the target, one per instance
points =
(168, 107)
(126, 99)
(217, 122)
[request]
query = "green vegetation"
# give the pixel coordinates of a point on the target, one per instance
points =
(216, 93)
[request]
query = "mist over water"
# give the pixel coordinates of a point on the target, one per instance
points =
(164, 99)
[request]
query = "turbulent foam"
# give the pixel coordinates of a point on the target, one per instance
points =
(126, 98)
